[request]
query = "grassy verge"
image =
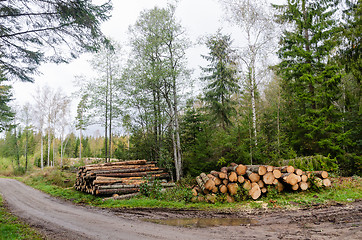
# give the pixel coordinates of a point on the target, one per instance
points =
(12, 228)
(59, 184)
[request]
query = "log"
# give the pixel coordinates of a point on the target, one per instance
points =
(122, 197)
(137, 174)
(279, 186)
(130, 162)
(295, 187)
(259, 169)
(200, 183)
(223, 175)
(286, 169)
(224, 170)
(240, 169)
(253, 177)
(269, 168)
(304, 178)
(318, 182)
(247, 184)
(320, 174)
(290, 178)
(230, 199)
(233, 177)
(327, 182)
(264, 190)
(303, 186)
(233, 188)
(225, 181)
(210, 184)
(204, 177)
(214, 173)
(211, 198)
(277, 173)
(241, 179)
(112, 191)
(215, 189)
(298, 172)
(195, 191)
(261, 183)
(223, 189)
(268, 178)
(255, 191)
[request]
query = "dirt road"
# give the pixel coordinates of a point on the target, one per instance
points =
(59, 219)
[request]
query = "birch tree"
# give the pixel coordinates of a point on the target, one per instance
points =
(256, 23)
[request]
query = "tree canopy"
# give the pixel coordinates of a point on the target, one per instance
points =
(32, 32)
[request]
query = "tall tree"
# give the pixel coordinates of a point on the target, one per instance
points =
(103, 94)
(6, 114)
(32, 32)
(310, 78)
(222, 81)
(255, 21)
(159, 46)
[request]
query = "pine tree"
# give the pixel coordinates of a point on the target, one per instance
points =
(221, 81)
(310, 78)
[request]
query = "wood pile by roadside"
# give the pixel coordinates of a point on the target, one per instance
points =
(256, 180)
(120, 178)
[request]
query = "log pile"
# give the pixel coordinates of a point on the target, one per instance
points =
(256, 180)
(118, 177)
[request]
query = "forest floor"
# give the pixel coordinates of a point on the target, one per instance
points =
(60, 219)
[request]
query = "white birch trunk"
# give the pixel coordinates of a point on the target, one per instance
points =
(41, 151)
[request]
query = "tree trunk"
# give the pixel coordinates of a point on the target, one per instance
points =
(41, 151)
(49, 148)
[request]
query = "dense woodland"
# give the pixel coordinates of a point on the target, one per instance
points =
(292, 89)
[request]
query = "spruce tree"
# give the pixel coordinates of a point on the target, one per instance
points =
(221, 79)
(310, 78)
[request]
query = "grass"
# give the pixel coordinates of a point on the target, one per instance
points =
(12, 228)
(59, 184)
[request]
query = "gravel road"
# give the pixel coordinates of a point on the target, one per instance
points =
(59, 219)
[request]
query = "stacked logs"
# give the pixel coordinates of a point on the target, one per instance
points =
(118, 177)
(255, 179)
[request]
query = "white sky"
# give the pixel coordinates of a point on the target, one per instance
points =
(198, 17)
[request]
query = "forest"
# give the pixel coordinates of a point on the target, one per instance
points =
(291, 89)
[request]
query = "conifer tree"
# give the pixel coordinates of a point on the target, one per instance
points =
(221, 79)
(310, 78)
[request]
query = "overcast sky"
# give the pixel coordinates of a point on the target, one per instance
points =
(198, 17)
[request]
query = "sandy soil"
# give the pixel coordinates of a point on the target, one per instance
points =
(59, 219)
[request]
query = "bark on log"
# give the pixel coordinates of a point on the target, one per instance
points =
(259, 169)
(320, 174)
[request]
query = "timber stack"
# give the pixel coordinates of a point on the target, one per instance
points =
(256, 180)
(118, 177)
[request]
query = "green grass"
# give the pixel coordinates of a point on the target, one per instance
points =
(12, 228)
(52, 182)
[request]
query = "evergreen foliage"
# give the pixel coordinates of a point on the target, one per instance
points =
(32, 32)
(222, 81)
